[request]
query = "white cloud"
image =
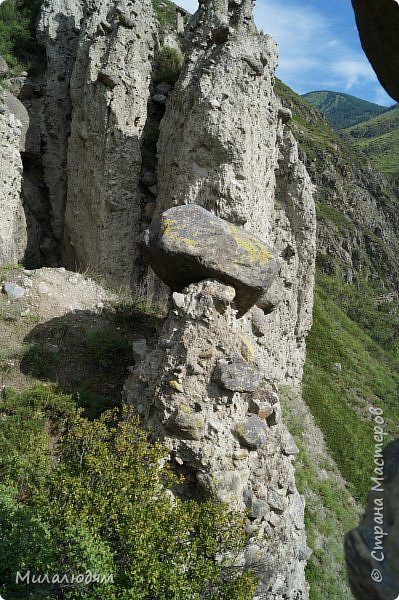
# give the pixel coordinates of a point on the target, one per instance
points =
(314, 52)
(312, 56)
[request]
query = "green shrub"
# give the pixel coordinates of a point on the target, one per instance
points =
(39, 360)
(106, 348)
(18, 43)
(97, 499)
(170, 64)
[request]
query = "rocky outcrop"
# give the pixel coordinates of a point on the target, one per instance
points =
(378, 23)
(12, 221)
(201, 246)
(202, 392)
(372, 550)
(109, 91)
(58, 32)
(221, 146)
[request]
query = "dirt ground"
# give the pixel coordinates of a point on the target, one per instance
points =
(67, 330)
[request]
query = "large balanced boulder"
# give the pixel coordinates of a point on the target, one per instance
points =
(187, 244)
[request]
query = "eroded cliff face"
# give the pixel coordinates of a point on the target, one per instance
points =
(58, 31)
(109, 91)
(202, 391)
(222, 145)
(12, 221)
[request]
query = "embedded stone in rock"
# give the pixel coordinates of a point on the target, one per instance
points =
(187, 244)
(140, 349)
(3, 67)
(108, 78)
(186, 424)
(13, 291)
(289, 445)
(252, 432)
(235, 375)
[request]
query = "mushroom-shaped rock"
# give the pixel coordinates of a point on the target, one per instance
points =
(235, 375)
(187, 244)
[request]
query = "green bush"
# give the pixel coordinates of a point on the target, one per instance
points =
(18, 43)
(170, 64)
(106, 348)
(80, 495)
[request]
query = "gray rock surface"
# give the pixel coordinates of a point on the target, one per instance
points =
(58, 31)
(252, 432)
(12, 221)
(109, 92)
(373, 548)
(215, 441)
(222, 146)
(235, 375)
(187, 244)
(13, 291)
(19, 111)
(3, 67)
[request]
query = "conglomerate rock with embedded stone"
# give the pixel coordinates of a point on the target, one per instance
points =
(201, 391)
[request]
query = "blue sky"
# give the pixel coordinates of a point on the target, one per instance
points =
(319, 46)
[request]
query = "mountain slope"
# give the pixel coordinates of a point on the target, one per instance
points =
(343, 110)
(378, 138)
(353, 348)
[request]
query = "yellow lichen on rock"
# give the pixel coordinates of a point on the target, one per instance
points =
(255, 249)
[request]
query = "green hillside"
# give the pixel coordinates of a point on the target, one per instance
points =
(343, 110)
(378, 138)
(353, 348)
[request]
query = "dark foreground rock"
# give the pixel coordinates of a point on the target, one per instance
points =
(372, 550)
(187, 244)
(378, 23)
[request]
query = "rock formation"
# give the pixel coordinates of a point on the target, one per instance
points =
(208, 387)
(58, 31)
(201, 391)
(372, 550)
(209, 384)
(109, 90)
(222, 146)
(378, 23)
(12, 221)
(200, 246)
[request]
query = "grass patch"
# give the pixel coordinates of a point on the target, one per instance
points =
(170, 64)
(137, 311)
(340, 399)
(329, 510)
(106, 348)
(39, 360)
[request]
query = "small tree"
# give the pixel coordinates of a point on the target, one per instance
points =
(170, 64)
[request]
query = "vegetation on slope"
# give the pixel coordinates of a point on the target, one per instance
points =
(165, 12)
(343, 110)
(89, 500)
(18, 44)
(330, 510)
(346, 373)
(353, 349)
(378, 138)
